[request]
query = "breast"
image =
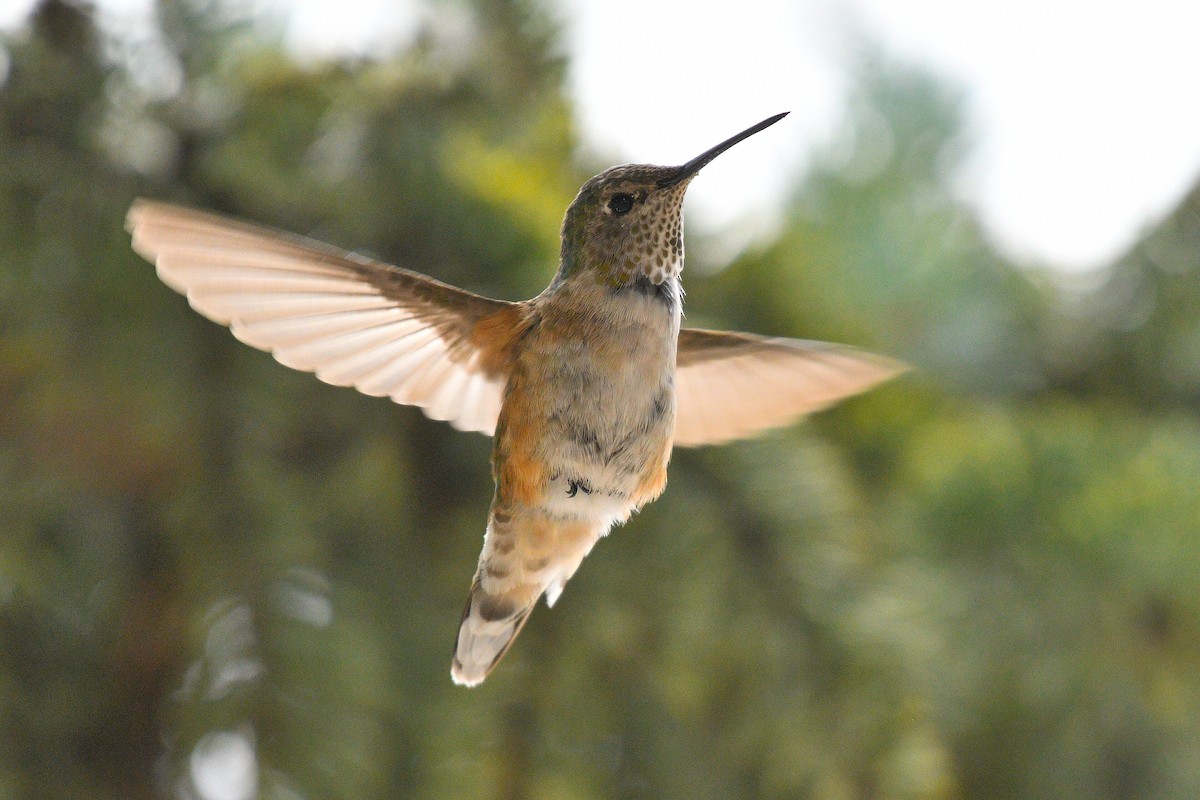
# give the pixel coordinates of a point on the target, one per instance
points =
(621, 336)
(598, 375)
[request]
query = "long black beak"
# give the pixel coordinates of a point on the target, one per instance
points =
(699, 162)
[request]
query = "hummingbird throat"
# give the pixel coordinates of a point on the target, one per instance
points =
(655, 243)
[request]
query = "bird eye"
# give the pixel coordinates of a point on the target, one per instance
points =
(620, 203)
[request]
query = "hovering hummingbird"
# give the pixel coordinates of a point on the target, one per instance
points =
(586, 387)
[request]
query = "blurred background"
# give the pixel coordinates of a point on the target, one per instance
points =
(221, 579)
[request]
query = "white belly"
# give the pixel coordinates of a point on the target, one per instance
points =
(607, 502)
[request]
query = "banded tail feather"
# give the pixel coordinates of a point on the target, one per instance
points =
(490, 624)
(527, 553)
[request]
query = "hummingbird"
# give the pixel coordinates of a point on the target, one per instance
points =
(585, 388)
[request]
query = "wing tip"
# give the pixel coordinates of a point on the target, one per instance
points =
(137, 209)
(889, 368)
(141, 207)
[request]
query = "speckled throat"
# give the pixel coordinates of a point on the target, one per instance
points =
(656, 238)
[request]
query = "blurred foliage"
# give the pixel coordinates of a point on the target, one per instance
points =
(221, 579)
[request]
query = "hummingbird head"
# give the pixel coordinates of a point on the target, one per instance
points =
(627, 222)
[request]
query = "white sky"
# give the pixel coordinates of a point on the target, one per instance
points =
(1087, 114)
(1087, 121)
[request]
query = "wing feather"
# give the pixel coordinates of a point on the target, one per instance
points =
(730, 385)
(386, 331)
(280, 333)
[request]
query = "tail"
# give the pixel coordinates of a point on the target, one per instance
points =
(525, 554)
(490, 624)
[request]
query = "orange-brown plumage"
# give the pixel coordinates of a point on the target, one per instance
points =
(494, 336)
(519, 473)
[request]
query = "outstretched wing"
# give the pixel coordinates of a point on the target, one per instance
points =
(730, 385)
(354, 322)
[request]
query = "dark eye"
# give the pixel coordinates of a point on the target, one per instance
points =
(620, 203)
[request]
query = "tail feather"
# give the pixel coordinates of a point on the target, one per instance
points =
(525, 554)
(490, 624)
